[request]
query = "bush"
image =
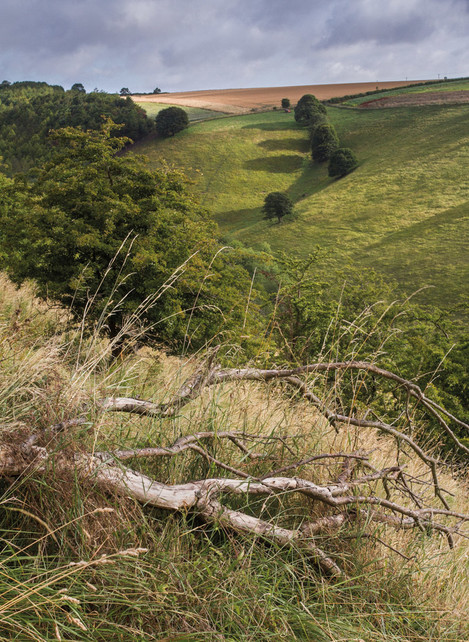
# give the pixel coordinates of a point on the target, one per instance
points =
(324, 141)
(277, 205)
(342, 161)
(170, 121)
(286, 103)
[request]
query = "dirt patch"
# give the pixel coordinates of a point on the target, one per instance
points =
(241, 101)
(422, 98)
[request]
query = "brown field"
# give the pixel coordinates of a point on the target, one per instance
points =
(240, 101)
(414, 100)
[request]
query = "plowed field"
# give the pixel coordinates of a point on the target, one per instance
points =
(240, 101)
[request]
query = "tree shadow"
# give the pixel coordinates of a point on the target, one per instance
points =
(276, 164)
(273, 127)
(291, 144)
(245, 217)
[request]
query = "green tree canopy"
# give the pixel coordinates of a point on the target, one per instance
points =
(94, 226)
(342, 161)
(277, 205)
(324, 141)
(170, 121)
(78, 87)
(307, 108)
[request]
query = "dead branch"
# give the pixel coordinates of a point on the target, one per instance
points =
(381, 496)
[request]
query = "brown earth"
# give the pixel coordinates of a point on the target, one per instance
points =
(240, 101)
(422, 98)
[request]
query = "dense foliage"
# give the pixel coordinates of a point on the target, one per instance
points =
(342, 161)
(97, 227)
(170, 121)
(28, 111)
(324, 141)
(308, 109)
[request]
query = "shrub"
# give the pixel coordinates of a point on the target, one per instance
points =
(170, 121)
(342, 161)
(286, 103)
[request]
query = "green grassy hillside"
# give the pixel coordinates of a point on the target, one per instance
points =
(404, 211)
(193, 113)
(450, 85)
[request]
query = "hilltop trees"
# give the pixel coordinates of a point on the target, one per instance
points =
(277, 205)
(28, 111)
(170, 121)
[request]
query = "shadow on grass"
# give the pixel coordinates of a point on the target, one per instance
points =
(291, 144)
(243, 218)
(273, 127)
(276, 164)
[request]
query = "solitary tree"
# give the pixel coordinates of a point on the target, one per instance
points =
(277, 205)
(157, 90)
(324, 141)
(286, 103)
(342, 161)
(170, 121)
(125, 91)
(79, 87)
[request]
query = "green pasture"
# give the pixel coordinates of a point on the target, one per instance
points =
(403, 211)
(194, 113)
(449, 85)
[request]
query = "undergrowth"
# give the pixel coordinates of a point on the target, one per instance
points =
(78, 563)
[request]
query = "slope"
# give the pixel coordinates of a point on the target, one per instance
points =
(396, 212)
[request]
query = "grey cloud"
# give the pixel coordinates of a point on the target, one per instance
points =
(182, 44)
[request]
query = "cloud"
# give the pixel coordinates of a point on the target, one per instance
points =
(183, 45)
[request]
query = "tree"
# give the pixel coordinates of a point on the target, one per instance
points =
(99, 226)
(286, 103)
(157, 90)
(125, 91)
(78, 87)
(170, 121)
(324, 141)
(307, 107)
(342, 161)
(277, 205)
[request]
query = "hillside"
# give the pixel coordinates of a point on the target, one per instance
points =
(93, 550)
(404, 211)
(241, 101)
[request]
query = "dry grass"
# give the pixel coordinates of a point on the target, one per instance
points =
(166, 576)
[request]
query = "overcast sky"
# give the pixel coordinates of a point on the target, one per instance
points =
(181, 45)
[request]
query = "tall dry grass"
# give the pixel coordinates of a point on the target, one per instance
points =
(79, 563)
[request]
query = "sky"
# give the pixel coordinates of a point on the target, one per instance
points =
(183, 45)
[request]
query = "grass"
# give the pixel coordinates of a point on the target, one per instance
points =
(403, 211)
(194, 114)
(450, 85)
(192, 581)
